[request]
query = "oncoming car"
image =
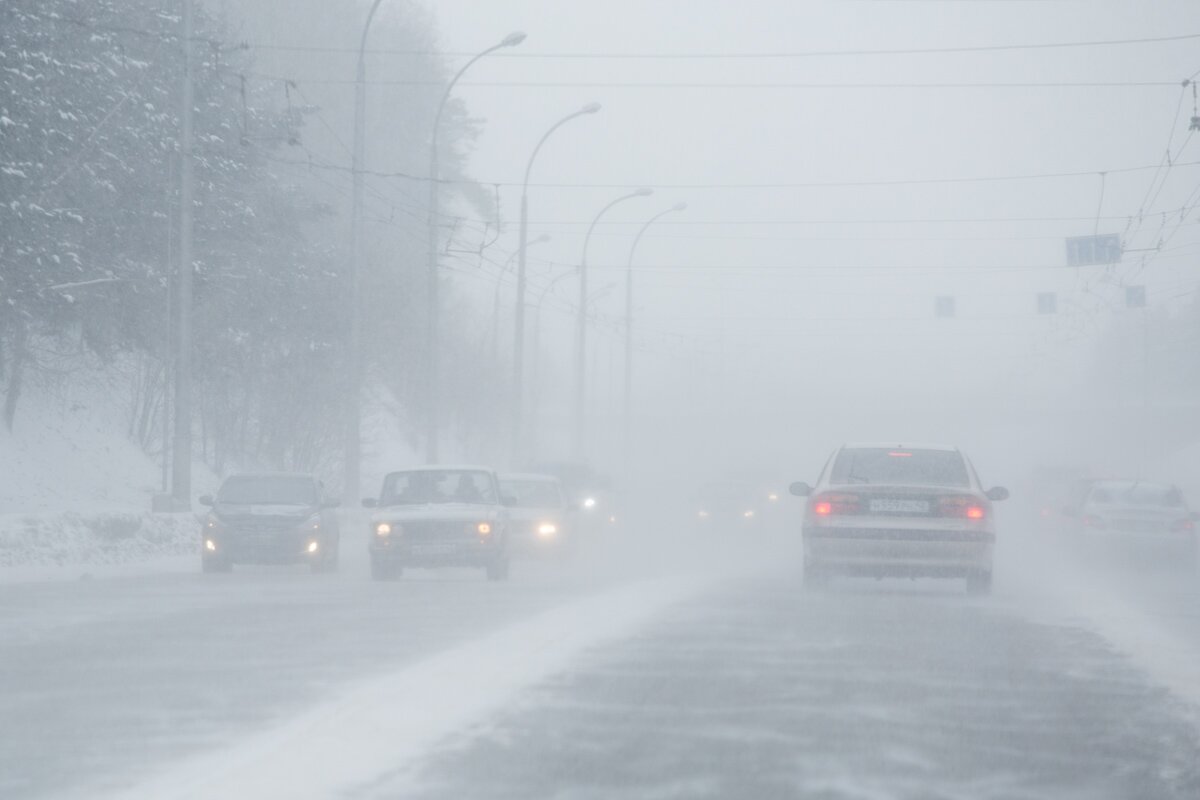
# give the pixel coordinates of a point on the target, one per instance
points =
(270, 518)
(890, 510)
(729, 505)
(540, 516)
(439, 517)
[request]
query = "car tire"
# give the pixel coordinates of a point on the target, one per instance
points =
(498, 570)
(385, 571)
(979, 583)
(211, 565)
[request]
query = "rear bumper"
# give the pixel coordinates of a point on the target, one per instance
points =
(899, 552)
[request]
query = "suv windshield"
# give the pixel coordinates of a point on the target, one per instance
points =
(1136, 494)
(437, 486)
(268, 490)
(532, 493)
(900, 466)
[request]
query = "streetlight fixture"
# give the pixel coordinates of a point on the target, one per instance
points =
(353, 420)
(581, 333)
(432, 367)
(629, 327)
(519, 334)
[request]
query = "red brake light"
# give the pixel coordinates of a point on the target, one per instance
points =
(831, 504)
(961, 505)
(1184, 524)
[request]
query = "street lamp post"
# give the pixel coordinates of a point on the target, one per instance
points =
(537, 358)
(496, 300)
(518, 385)
(628, 407)
(353, 420)
(581, 332)
(432, 367)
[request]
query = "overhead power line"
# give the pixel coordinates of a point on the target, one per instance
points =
(767, 185)
(908, 51)
(742, 85)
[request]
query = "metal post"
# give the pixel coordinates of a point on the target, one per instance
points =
(352, 446)
(518, 384)
(628, 402)
(181, 471)
(581, 328)
(433, 310)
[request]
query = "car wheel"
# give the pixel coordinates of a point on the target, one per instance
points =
(980, 582)
(210, 565)
(498, 570)
(384, 570)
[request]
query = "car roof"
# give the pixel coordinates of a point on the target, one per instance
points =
(894, 445)
(528, 476)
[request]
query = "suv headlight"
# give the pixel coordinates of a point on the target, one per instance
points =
(385, 529)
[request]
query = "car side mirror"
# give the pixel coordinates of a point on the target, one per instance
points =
(508, 502)
(369, 502)
(206, 500)
(800, 489)
(331, 502)
(997, 493)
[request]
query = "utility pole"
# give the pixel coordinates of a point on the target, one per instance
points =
(432, 300)
(182, 455)
(352, 447)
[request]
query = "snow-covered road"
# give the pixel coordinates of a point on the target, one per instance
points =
(573, 681)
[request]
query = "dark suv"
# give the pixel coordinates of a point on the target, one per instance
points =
(269, 518)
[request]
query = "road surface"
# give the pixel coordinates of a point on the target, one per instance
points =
(576, 682)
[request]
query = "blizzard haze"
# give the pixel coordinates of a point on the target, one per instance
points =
(825, 427)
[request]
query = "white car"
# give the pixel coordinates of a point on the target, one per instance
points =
(540, 515)
(439, 517)
(1148, 517)
(894, 510)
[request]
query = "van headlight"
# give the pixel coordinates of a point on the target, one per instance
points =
(547, 529)
(384, 530)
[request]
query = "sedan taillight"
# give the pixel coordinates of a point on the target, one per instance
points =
(961, 506)
(834, 503)
(1183, 525)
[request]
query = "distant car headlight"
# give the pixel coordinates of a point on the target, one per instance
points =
(383, 529)
(210, 545)
(484, 528)
(313, 523)
(772, 497)
(703, 514)
(748, 513)
(212, 523)
(589, 502)
(547, 529)
(312, 547)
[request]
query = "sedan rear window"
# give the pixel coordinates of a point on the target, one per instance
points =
(911, 467)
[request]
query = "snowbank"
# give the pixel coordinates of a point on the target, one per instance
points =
(113, 538)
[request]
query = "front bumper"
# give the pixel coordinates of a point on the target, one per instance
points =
(899, 552)
(453, 553)
(284, 547)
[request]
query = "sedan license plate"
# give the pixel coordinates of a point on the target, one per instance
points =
(896, 505)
